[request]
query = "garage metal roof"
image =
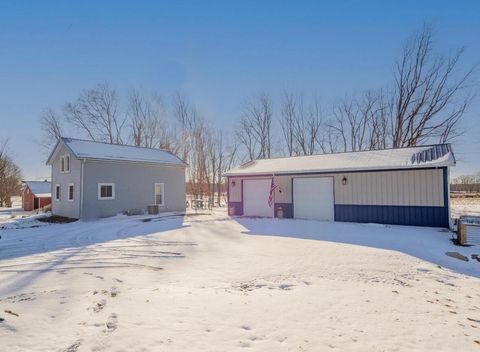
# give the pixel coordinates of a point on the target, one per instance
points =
(438, 155)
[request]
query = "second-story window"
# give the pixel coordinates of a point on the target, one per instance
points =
(67, 163)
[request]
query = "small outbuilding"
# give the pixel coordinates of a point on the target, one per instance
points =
(36, 195)
(404, 186)
(94, 179)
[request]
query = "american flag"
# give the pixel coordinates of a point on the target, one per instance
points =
(273, 186)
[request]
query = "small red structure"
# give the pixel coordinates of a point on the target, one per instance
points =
(36, 194)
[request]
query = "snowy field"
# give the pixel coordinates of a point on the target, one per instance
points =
(465, 206)
(212, 283)
(15, 211)
(11, 215)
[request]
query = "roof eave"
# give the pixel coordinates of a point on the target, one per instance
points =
(52, 153)
(182, 164)
(283, 172)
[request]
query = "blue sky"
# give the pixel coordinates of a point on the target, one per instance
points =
(219, 53)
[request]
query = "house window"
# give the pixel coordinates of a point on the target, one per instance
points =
(57, 192)
(62, 164)
(106, 191)
(71, 189)
(159, 193)
(67, 163)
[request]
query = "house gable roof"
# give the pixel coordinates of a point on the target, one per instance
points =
(439, 155)
(40, 189)
(83, 149)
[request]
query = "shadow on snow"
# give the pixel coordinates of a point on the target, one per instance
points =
(36, 240)
(429, 244)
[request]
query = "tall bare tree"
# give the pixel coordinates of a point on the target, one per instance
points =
(188, 120)
(10, 177)
(51, 124)
(254, 132)
(431, 94)
(147, 120)
(350, 122)
(307, 127)
(301, 124)
(287, 121)
(96, 114)
(379, 108)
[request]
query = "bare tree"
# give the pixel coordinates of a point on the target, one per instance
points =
(95, 113)
(221, 153)
(186, 116)
(307, 127)
(254, 132)
(51, 125)
(465, 179)
(430, 96)
(10, 177)
(287, 121)
(426, 105)
(351, 119)
(328, 139)
(147, 121)
(379, 112)
(301, 124)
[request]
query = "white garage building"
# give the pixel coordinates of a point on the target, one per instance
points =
(406, 186)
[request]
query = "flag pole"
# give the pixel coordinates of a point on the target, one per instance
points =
(274, 191)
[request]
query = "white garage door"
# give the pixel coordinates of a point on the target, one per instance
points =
(255, 198)
(313, 198)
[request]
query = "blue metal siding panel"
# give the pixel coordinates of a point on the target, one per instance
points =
(389, 214)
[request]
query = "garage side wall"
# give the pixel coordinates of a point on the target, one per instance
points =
(406, 197)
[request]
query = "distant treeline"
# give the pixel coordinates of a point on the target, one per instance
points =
(472, 187)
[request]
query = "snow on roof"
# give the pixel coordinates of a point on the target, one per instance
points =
(83, 149)
(399, 158)
(40, 189)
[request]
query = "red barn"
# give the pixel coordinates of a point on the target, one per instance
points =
(36, 194)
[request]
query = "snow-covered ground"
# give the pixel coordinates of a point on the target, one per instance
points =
(212, 283)
(465, 206)
(9, 217)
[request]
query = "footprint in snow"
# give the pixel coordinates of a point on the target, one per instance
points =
(244, 344)
(100, 305)
(114, 292)
(112, 322)
(73, 347)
